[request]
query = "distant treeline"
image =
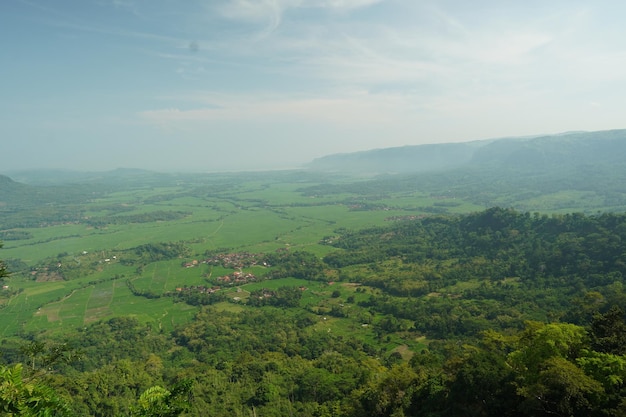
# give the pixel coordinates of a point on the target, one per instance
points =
(153, 216)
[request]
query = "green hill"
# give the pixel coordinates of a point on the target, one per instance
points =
(546, 153)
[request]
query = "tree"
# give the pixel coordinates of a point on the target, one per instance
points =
(20, 396)
(483, 386)
(3, 269)
(23, 391)
(392, 392)
(157, 401)
(548, 376)
(608, 332)
(41, 356)
(540, 342)
(561, 389)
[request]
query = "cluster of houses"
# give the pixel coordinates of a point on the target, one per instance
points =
(230, 260)
(237, 277)
(199, 288)
(236, 259)
(402, 218)
(191, 264)
(267, 293)
(47, 273)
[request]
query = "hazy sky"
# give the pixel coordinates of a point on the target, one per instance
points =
(251, 84)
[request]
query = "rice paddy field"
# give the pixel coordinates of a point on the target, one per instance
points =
(72, 272)
(79, 262)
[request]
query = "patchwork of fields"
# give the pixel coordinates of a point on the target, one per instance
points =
(121, 251)
(72, 272)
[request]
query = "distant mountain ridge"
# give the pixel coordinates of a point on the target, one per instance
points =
(564, 150)
(47, 177)
(11, 190)
(16, 194)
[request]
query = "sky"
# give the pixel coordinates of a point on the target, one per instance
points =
(210, 85)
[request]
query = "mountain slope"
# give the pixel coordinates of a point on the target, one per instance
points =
(546, 153)
(419, 158)
(11, 192)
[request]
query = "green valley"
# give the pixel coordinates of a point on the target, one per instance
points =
(314, 294)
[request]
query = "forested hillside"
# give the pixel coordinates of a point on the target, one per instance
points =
(546, 153)
(581, 171)
(492, 313)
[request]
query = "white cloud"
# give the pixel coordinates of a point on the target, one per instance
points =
(372, 72)
(266, 12)
(349, 109)
(344, 76)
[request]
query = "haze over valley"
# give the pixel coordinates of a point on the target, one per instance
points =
(312, 208)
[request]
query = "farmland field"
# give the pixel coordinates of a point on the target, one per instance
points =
(122, 252)
(78, 268)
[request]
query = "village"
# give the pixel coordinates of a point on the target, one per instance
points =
(199, 289)
(237, 260)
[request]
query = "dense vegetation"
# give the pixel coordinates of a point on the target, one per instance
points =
(310, 294)
(581, 171)
(493, 313)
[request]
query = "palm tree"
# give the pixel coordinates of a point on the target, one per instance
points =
(20, 396)
(159, 402)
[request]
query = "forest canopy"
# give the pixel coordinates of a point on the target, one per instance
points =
(520, 314)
